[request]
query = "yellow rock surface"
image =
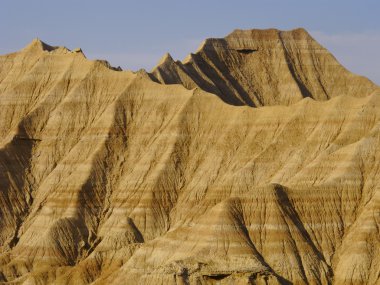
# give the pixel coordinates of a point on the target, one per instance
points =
(254, 161)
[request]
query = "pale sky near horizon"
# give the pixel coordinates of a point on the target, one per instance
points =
(135, 34)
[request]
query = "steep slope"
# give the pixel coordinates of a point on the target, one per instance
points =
(110, 178)
(263, 67)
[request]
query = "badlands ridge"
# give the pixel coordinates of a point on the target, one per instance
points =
(256, 160)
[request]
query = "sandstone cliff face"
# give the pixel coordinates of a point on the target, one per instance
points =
(108, 177)
(263, 67)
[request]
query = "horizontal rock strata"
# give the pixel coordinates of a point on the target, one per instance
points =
(254, 161)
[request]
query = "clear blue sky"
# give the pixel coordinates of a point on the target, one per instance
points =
(135, 34)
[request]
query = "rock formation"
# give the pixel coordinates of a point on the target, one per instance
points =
(259, 68)
(254, 161)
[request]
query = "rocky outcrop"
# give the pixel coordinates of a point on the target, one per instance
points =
(263, 67)
(108, 177)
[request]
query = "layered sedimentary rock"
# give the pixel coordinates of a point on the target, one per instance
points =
(255, 161)
(259, 68)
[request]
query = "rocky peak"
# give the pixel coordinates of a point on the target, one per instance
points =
(264, 67)
(37, 45)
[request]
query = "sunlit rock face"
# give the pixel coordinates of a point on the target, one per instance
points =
(263, 67)
(256, 160)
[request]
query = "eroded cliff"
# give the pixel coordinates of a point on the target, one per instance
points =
(108, 177)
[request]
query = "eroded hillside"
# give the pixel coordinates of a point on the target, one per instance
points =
(260, 166)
